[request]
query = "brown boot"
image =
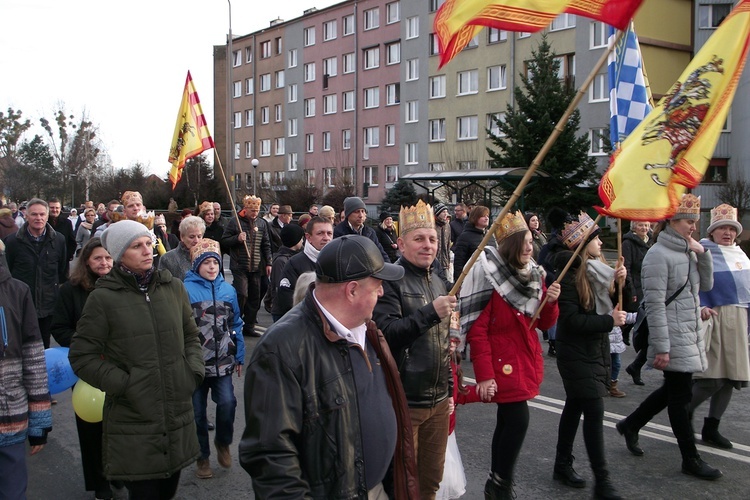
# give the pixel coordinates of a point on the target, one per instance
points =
(222, 455)
(614, 391)
(204, 469)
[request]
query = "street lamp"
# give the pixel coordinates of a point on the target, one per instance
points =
(73, 190)
(254, 163)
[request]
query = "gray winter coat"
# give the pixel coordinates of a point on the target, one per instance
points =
(676, 328)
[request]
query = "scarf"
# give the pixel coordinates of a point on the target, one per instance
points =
(600, 276)
(731, 276)
(87, 225)
(311, 251)
(143, 279)
(521, 289)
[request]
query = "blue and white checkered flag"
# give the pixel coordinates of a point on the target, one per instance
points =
(628, 93)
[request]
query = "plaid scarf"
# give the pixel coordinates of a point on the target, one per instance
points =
(494, 274)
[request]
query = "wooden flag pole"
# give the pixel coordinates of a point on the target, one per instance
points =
(559, 127)
(562, 273)
(231, 200)
(619, 258)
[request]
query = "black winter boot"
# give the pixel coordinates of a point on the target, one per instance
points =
(711, 435)
(552, 352)
(565, 473)
(695, 466)
(497, 488)
(604, 489)
(635, 373)
(631, 437)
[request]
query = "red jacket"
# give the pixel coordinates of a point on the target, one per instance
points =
(504, 348)
(471, 396)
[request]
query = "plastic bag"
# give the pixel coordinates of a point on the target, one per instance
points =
(453, 484)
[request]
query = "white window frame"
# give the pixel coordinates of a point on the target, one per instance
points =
(372, 137)
(392, 12)
(279, 145)
(492, 126)
(412, 70)
(391, 174)
(437, 130)
(292, 159)
(329, 176)
(598, 35)
(279, 78)
(248, 54)
(309, 107)
(599, 89)
(308, 36)
(329, 104)
(706, 15)
(236, 150)
(265, 115)
(265, 82)
(563, 21)
(310, 177)
(265, 49)
(411, 153)
(248, 149)
(370, 175)
(265, 147)
(292, 127)
(326, 139)
(392, 94)
(392, 53)
(596, 142)
(372, 97)
(249, 118)
(411, 114)
(501, 77)
(237, 58)
(348, 61)
(371, 18)
(495, 35)
(371, 58)
(309, 72)
(390, 135)
(346, 139)
(329, 30)
(467, 82)
(466, 128)
(292, 94)
(292, 58)
(249, 86)
(347, 100)
(309, 143)
(437, 87)
(412, 27)
(348, 25)
(238, 119)
(237, 89)
(277, 113)
(330, 66)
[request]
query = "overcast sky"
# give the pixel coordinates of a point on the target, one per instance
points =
(122, 63)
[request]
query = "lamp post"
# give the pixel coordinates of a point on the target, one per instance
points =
(230, 106)
(254, 163)
(72, 190)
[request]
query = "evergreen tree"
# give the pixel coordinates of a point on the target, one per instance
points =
(401, 194)
(541, 101)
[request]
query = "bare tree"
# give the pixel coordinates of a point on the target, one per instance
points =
(737, 194)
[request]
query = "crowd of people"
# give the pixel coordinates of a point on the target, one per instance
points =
(365, 336)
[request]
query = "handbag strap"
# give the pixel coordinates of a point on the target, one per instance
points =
(674, 295)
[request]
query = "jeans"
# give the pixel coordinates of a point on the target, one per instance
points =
(510, 432)
(674, 395)
(615, 357)
(222, 393)
(430, 428)
(14, 477)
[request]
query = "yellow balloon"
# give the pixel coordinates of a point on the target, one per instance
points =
(88, 402)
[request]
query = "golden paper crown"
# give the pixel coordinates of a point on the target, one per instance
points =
(129, 197)
(512, 223)
(416, 217)
(690, 207)
(251, 202)
(145, 218)
(205, 245)
(205, 207)
(575, 231)
(724, 215)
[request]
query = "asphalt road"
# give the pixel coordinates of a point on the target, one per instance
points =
(55, 473)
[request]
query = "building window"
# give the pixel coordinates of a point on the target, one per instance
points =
(372, 18)
(473, 43)
(308, 36)
(248, 149)
(279, 146)
(238, 119)
(249, 86)
(496, 77)
(329, 30)
(468, 82)
(248, 54)
(346, 139)
(347, 61)
(277, 112)
(495, 35)
(412, 112)
(411, 153)
(372, 137)
(348, 22)
(293, 92)
(393, 53)
(437, 130)
(348, 100)
(467, 165)
(309, 143)
(412, 70)
(265, 179)
(391, 174)
(279, 77)
(523, 34)
(599, 35)
(236, 58)
(265, 147)
(236, 150)
(434, 46)
(435, 5)
(392, 12)
(279, 45)
(372, 57)
(711, 16)
(567, 71)
(248, 180)
(412, 27)
(371, 175)
(717, 172)
(390, 135)
(492, 125)
(237, 89)
(265, 115)
(265, 82)
(598, 91)
(309, 107)
(329, 177)
(392, 94)
(466, 128)
(292, 63)
(330, 66)
(348, 174)
(292, 127)
(563, 22)
(278, 177)
(326, 141)
(372, 97)
(309, 72)
(265, 49)
(437, 86)
(249, 118)
(596, 139)
(310, 177)
(329, 104)
(292, 162)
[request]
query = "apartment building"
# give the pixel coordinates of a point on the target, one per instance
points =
(353, 91)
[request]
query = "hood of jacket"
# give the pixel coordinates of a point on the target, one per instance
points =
(193, 277)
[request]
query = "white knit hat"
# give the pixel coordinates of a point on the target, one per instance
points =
(118, 237)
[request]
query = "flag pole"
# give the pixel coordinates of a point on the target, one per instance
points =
(231, 200)
(619, 258)
(559, 127)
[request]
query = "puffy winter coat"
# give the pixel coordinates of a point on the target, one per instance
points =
(43, 266)
(217, 314)
(504, 348)
(676, 328)
(142, 350)
(258, 242)
(634, 250)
